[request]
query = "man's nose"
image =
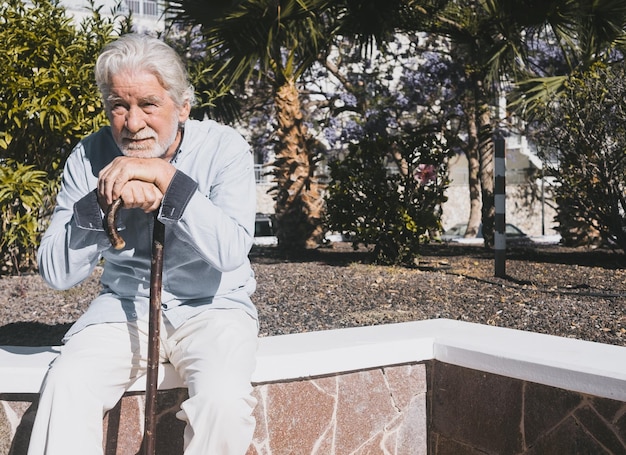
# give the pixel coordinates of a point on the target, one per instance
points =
(135, 120)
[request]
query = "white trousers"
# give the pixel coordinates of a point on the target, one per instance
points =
(214, 352)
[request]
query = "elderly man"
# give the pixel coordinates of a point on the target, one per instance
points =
(197, 178)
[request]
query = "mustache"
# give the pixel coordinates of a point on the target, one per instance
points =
(143, 134)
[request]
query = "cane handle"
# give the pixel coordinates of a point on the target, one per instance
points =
(111, 225)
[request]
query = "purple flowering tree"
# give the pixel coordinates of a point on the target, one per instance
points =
(387, 124)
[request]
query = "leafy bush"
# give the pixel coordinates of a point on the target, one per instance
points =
(49, 101)
(22, 193)
(583, 139)
(48, 94)
(393, 206)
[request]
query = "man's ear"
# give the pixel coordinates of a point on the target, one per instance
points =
(183, 113)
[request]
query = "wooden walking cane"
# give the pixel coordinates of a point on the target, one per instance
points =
(154, 319)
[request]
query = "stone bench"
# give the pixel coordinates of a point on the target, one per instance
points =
(435, 386)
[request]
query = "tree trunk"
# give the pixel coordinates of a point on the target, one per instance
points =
(299, 202)
(487, 164)
(473, 168)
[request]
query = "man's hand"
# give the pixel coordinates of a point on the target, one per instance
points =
(140, 182)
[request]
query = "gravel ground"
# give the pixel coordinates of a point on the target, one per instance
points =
(573, 293)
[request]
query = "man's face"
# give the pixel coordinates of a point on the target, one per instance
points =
(144, 118)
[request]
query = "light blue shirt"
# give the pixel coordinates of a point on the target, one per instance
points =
(208, 212)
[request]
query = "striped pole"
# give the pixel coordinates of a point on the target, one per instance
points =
(500, 203)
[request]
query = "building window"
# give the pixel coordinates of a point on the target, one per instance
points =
(150, 8)
(143, 7)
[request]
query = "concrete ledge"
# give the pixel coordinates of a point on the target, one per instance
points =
(581, 366)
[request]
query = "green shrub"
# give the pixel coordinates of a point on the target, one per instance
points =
(583, 139)
(49, 101)
(48, 95)
(393, 206)
(22, 193)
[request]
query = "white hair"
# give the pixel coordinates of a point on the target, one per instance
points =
(137, 52)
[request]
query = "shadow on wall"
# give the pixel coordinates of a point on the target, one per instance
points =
(32, 334)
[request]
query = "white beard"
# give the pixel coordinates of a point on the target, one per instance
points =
(156, 148)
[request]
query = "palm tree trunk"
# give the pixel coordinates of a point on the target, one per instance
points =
(297, 193)
(487, 164)
(473, 168)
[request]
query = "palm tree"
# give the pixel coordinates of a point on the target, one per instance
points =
(483, 42)
(581, 33)
(574, 33)
(494, 41)
(486, 43)
(273, 40)
(277, 40)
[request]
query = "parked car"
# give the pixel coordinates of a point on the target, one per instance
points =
(514, 235)
(264, 230)
(263, 225)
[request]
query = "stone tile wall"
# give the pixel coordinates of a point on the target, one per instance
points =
(425, 408)
(472, 412)
(375, 411)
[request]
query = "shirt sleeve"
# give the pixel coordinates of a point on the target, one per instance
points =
(216, 217)
(71, 246)
(177, 197)
(87, 212)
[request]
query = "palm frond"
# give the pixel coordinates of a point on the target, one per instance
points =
(531, 95)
